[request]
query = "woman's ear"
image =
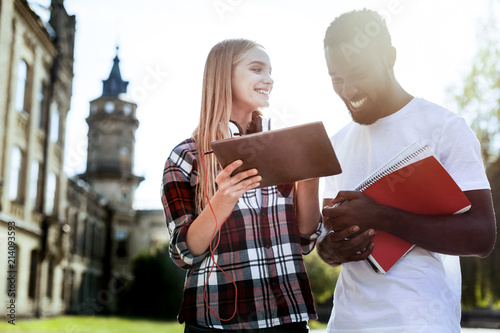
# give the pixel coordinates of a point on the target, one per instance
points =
(390, 57)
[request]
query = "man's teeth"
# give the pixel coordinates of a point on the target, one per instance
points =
(359, 103)
(264, 92)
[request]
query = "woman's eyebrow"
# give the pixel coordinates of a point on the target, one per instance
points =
(258, 62)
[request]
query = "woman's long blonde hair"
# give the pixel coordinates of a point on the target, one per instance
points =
(216, 106)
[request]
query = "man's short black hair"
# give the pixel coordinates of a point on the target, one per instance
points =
(359, 29)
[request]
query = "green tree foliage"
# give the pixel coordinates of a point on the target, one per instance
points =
(479, 102)
(156, 290)
(479, 98)
(322, 277)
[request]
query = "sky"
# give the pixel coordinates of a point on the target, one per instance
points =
(163, 45)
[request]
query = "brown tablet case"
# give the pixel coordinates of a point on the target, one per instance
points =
(282, 156)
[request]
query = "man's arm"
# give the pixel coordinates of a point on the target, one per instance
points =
(472, 233)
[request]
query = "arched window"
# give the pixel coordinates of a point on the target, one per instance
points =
(22, 74)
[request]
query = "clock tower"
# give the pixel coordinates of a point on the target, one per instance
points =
(111, 139)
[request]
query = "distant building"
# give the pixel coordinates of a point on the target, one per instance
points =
(71, 240)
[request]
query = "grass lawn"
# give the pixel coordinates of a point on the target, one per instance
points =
(93, 324)
(90, 324)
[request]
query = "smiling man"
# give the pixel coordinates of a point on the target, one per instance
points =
(421, 293)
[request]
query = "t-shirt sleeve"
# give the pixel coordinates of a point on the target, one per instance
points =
(460, 153)
(330, 190)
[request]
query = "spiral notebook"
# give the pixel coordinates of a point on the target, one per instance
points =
(282, 156)
(414, 181)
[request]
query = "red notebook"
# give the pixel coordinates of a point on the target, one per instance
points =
(413, 181)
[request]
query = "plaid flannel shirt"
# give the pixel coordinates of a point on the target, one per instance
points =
(260, 249)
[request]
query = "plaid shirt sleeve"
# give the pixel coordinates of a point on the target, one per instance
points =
(178, 192)
(308, 242)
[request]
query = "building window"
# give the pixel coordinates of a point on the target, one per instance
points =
(89, 239)
(63, 283)
(99, 242)
(121, 242)
(51, 194)
(72, 296)
(54, 126)
(82, 237)
(42, 100)
(32, 281)
(22, 74)
(50, 277)
(82, 290)
(34, 184)
(127, 109)
(74, 230)
(16, 160)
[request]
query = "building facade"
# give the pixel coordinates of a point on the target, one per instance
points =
(67, 242)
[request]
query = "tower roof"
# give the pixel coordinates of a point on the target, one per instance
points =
(114, 85)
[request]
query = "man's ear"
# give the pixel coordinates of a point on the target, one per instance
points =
(390, 57)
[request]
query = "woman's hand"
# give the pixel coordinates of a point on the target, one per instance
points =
(233, 187)
(230, 189)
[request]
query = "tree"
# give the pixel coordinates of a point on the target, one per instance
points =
(157, 287)
(322, 277)
(479, 102)
(479, 98)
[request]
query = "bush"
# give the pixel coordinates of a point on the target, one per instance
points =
(157, 287)
(322, 276)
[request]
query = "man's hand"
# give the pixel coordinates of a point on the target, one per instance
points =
(349, 209)
(349, 218)
(346, 245)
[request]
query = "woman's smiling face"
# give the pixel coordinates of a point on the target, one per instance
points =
(251, 82)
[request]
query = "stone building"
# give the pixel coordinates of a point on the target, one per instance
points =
(67, 244)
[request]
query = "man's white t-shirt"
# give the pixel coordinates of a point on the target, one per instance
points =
(421, 292)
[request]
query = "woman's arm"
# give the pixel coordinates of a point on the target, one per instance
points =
(230, 189)
(307, 201)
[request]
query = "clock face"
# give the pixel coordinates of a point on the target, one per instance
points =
(124, 151)
(127, 109)
(109, 107)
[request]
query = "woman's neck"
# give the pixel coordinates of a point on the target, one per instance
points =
(242, 120)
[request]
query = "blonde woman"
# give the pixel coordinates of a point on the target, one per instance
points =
(254, 236)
